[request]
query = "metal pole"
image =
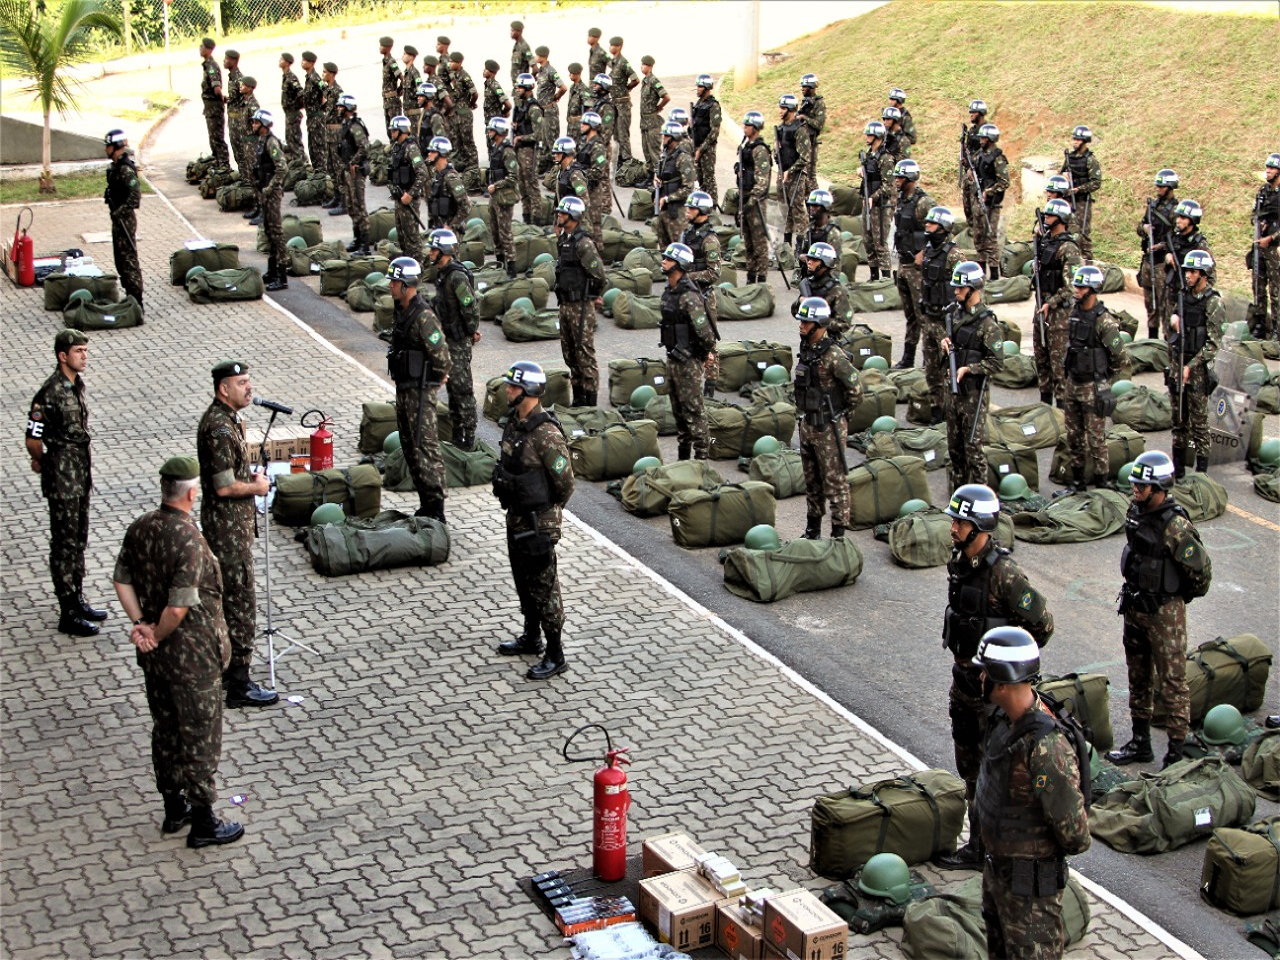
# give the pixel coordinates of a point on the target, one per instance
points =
(306, 11)
(166, 45)
(747, 69)
(128, 29)
(215, 11)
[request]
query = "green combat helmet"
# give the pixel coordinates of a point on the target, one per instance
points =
(1122, 475)
(912, 506)
(775, 374)
(762, 537)
(78, 295)
(1126, 336)
(542, 258)
(1011, 348)
(609, 297)
(194, 272)
(1254, 376)
(524, 305)
(297, 243)
(886, 875)
(1013, 486)
(373, 278)
(641, 396)
(726, 285)
(875, 363)
(327, 513)
(1121, 387)
(765, 446)
(392, 443)
(885, 424)
(1224, 725)
(393, 235)
(1237, 330)
(1269, 453)
(475, 223)
(644, 463)
(469, 264)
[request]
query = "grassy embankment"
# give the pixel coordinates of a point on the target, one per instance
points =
(1158, 87)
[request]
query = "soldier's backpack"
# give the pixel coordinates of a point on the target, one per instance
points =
(751, 301)
(734, 430)
(307, 226)
(357, 489)
(217, 178)
(641, 205)
(1124, 445)
(879, 488)
(1241, 871)
(1260, 765)
(626, 375)
(928, 444)
(377, 422)
(923, 539)
(1007, 290)
(1203, 497)
(308, 260)
(1223, 670)
(1016, 372)
(1166, 810)
(649, 493)
(1144, 409)
(236, 196)
(390, 539)
(720, 517)
(878, 400)
(745, 361)
(874, 296)
(558, 391)
(1006, 458)
(337, 275)
(90, 315)
(613, 451)
(1075, 518)
(1035, 425)
(202, 253)
(798, 566)
(637, 313)
(222, 286)
(860, 342)
(782, 470)
(59, 285)
(1085, 696)
(313, 190)
(521, 327)
(498, 298)
(468, 468)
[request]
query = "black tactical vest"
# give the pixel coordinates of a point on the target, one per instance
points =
(1147, 567)
(935, 289)
(985, 162)
(520, 480)
(521, 124)
(968, 614)
(668, 172)
(677, 330)
(818, 405)
(1087, 359)
(1020, 828)
(747, 168)
(1078, 167)
(441, 205)
(448, 309)
(118, 175)
(564, 186)
(1267, 209)
(401, 173)
(407, 355)
(1181, 244)
(571, 276)
(1051, 279)
(264, 167)
(871, 179)
(908, 227)
(349, 148)
(967, 342)
(1195, 325)
(785, 143)
(498, 162)
(700, 120)
(694, 237)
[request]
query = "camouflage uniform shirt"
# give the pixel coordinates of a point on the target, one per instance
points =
(59, 418)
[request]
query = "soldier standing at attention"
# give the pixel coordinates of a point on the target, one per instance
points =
(1058, 187)
(215, 111)
(821, 280)
(909, 215)
(969, 147)
(269, 170)
(580, 278)
(1266, 263)
(1197, 334)
(521, 55)
(877, 186)
(1153, 230)
(533, 481)
(597, 56)
(938, 261)
(754, 171)
(624, 79)
(123, 196)
(408, 177)
(985, 589)
(821, 230)
(496, 101)
(353, 153)
(672, 183)
(653, 100)
(813, 111)
(593, 154)
(571, 177)
(1084, 179)
(1094, 352)
(975, 335)
(791, 147)
(699, 236)
(409, 81)
(390, 80)
(686, 333)
(993, 181)
(1182, 239)
(704, 130)
(431, 121)
(526, 128)
(827, 388)
(1057, 257)
(418, 361)
(503, 190)
(169, 585)
(291, 102)
(313, 88)
(237, 126)
(249, 142)
(548, 91)
(58, 444)
(895, 144)
(898, 98)
(333, 140)
(576, 102)
(1032, 805)
(466, 99)
(447, 202)
(602, 106)
(459, 318)
(1165, 567)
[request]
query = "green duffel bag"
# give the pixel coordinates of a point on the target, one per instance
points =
(879, 488)
(395, 472)
(391, 250)
(637, 313)
(659, 411)
(217, 178)
(362, 296)
(612, 452)
(1164, 811)
(1015, 254)
(631, 173)
(927, 443)
(874, 296)
(922, 539)
(474, 251)
(735, 430)
(235, 197)
(638, 258)
(306, 226)
(1225, 670)
(88, 315)
(720, 517)
(307, 261)
(772, 393)
(853, 254)
(222, 286)
(1006, 458)
(477, 228)
(545, 271)
(498, 298)
(199, 168)
(313, 190)
(1127, 322)
(389, 540)
(625, 376)
(637, 280)
(641, 205)
(577, 421)
(1144, 409)
(1087, 697)
(1267, 485)
(468, 468)
(358, 489)
(904, 381)
(728, 273)
(1203, 497)
(527, 248)
(649, 493)
(1016, 372)
(384, 316)
(745, 361)
(58, 286)
(381, 222)
(1007, 290)
(1260, 765)
(201, 253)
(1112, 277)
(377, 422)
(750, 302)
(729, 203)
(1124, 445)
(798, 566)
(917, 816)
(1010, 331)
(519, 327)
(617, 242)
(1034, 425)
(878, 400)
(1148, 356)
(861, 343)
(295, 172)
(847, 200)
(338, 274)
(783, 471)
(558, 392)
(1241, 871)
(851, 223)
(1075, 518)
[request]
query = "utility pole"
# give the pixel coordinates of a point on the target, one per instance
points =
(747, 69)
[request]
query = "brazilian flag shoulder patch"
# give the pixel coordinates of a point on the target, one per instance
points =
(434, 338)
(1190, 552)
(559, 464)
(1025, 602)
(1042, 781)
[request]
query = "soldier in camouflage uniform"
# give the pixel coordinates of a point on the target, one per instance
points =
(521, 55)
(548, 90)
(1266, 263)
(624, 80)
(391, 78)
(332, 139)
(672, 183)
(571, 176)
(1165, 566)
(753, 171)
(123, 197)
(215, 111)
(503, 190)
(791, 151)
(526, 128)
(496, 101)
(57, 442)
(593, 153)
(993, 180)
(822, 280)
(408, 179)
(576, 101)
(1058, 187)
(602, 106)
(237, 125)
(1094, 352)
(228, 485)
(438, 78)
(268, 173)
(1181, 240)
(821, 230)
(447, 202)
(409, 81)
(827, 389)
(466, 98)
(533, 481)
(313, 89)
(248, 142)
(689, 339)
(700, 237)
(969, 147)
(353, 153)
(291, 102)
(597, 56)
(909, 216)
(937, 261)
(975, 335)
(898, 98)
(1056, 259)
(653, 100)
(1084, 180)
(580, 280)
(877, 196)
(459, 317)
(704, 134)
(1153, 231)
(170, 585)
(985, 589)
(431, 122)
(895, 144)
(1032, 802)
(1197, 335)
(813, 111)
(418, 361)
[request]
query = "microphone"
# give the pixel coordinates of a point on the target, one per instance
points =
(272, 405)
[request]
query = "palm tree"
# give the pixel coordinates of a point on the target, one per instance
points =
(41, 49)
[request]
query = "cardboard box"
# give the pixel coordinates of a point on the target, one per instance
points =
(681, 908)
(667, 853)
(286, 440)
(737, 936)
(799, 926)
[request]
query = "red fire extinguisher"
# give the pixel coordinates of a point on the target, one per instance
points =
(321, 441)
(612, 801)
(23, 252)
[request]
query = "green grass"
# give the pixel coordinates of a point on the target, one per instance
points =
(1158, 87)
(72, 186)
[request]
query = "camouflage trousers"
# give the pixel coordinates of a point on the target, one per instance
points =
(408, 234)
(460, 387)
(1020, 927)
(537, 581)
(705, 165)
(791, 198)
(876, 238)
(293, 134)
(234, 550)
(578, 345)
(353, 199)
(811, 181)
(1050, 375)
(969, 199)
(622, 127)
(1084, 228)
(968, 459)
(462, 133)
(269, 203)
(1269, 293)
(236, 133)
(333, 158)
(215, 120)
(316, 147)
(186, 727)
(68, 538)
(937, 370)
(986, 234)
(684, 386)
(124, 249)
(968, 712)
(421, 448)
(390, 108)
(547, 135)
(1191, 419)
(1155, 299)
(908, 282)
(530, 198)
(650, 145)
(1155, 651)
(755, 237)
(1086, 428)
(669, 224)
(500, 229)
(821, 457)
(599, 204)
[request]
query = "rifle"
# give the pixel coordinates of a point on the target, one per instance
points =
(1182, 347)
(737, 176)
(964, 143)
(1035, 274)
(950, 314)
(412, 208)
(1151, 243)
(613, 189)
(1257, 317)
(832, 417)
(977, 413)
(866, 196)
(657, 184)
(773, 250)
(977, 185)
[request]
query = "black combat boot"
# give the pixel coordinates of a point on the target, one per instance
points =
(434, 509)
(354, 245)
(937, 415)
(511, 269)
(243, 692)
(837, 530)
(250, 214)
(329, 204)
(256, 219)
(207, 830)
(280, 280)
(708, 388)
(590, 398)
(995, 271)
(1138, 749)
(1046, 397)
(968, 857)
(786, 238)
(338, 209)
(812, 528)
(552, 662)
(1179, 457)
(1202, 464)
(1173, 754)
(875, 274)
(1153, 332)
(683, 451)
(908, 358)
(87, 612)
(529, 642)
(177, 813)
(72, 621)
(465, 440)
